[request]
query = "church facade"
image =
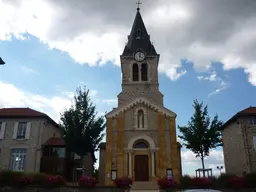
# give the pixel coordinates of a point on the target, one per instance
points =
(141, 139)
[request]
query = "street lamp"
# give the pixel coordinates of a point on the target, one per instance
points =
(220, 168)
(1, 61)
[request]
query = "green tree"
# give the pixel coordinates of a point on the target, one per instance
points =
(82, 129)
(201, 134)
(95, 173)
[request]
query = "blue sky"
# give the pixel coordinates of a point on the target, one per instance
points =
(43, 69)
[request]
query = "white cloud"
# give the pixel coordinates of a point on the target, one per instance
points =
(223, 85)
(212, 161)
(212, 77)
(15, 97)
(110, 101)
(95, 32)
(53, 106)
(93, 93)
(28, 70)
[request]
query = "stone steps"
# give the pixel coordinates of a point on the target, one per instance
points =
(145, 185)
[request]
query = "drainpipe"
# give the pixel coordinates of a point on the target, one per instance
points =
(246, 146)
(36, 158)
(38, 143)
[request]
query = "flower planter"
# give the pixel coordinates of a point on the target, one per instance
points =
(168, 190)
(62, 189)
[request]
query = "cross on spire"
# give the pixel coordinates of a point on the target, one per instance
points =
(138, 3)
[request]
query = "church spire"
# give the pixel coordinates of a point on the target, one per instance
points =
(139, 38)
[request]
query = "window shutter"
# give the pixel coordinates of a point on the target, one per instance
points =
(14, 136)
(28, 130)
(254, 143)
(2, 132)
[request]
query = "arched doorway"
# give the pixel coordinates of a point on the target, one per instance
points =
(141, 165)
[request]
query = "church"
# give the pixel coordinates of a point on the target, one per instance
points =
(141, 140)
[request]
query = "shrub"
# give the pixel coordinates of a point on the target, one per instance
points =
(23, 181)
(123, 182)
(250, 180)
(8, 177)
(185, 181)
(236, 182)
(214, 181)
(38, 178)
(167, 183)
(222, 181)
(204, 182)
(87, 182)
(55, 181)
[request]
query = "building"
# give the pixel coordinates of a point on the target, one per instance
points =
(141, 137)
(66, 163)
(239, 142)
(30, 141)
(23, 132)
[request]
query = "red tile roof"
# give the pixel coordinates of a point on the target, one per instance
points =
(55, 141)
(24, 113)
(250, 111)
(20, 112)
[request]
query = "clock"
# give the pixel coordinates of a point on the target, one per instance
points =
(139, 56)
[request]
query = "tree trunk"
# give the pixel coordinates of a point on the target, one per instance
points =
(202, 159)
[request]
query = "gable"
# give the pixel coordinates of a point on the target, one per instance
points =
(144, 101)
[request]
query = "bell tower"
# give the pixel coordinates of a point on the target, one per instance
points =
(139, 64)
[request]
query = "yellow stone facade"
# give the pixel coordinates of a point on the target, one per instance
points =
(161, 155)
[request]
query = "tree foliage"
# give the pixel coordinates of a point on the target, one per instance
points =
(82, 130)
(201, 134)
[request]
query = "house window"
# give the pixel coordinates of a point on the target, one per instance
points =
(135, 72)
(60, 152)
(252, 122)
(18, 159)
(0, 126)
(144, 72)
(21, 131)
(54, 151)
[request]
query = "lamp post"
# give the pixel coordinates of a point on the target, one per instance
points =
(220, 168)
(1, 61)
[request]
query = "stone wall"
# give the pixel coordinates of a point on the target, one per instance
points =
(234, 144)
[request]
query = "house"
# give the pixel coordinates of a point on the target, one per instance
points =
(23, 132)
(141, 140)
(66, 163)
(30, 141)
(239, 142)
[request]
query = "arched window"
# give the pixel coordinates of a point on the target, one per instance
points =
(140, 119)
(135, 72)
(144, 72)
(140, 145)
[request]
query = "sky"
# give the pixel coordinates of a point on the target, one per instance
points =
(207, 52)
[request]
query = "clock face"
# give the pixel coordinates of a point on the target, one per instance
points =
(139, 56)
